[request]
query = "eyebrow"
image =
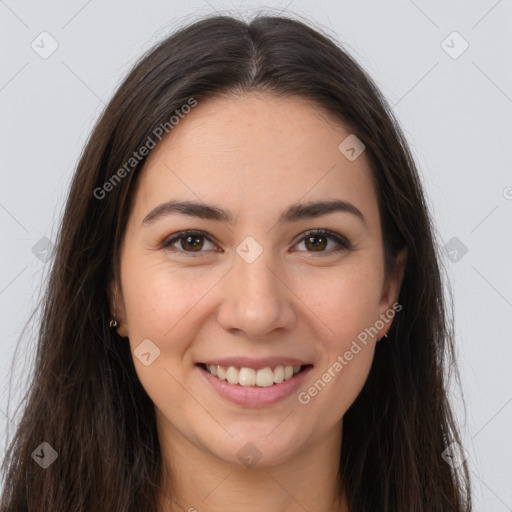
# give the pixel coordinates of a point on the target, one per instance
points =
(294, 213)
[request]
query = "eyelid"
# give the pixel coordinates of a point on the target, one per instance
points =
(342, 242)
(168, 241)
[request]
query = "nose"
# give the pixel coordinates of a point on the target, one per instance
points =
(256, 299)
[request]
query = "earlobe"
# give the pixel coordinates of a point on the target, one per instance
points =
(117, 320)
(396, 278)
(400, 266)
(392, 287)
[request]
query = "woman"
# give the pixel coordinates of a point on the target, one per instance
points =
(246, 310)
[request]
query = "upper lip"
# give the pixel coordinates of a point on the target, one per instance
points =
(250, 362)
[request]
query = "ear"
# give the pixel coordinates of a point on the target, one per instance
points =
(116, 304)
(391, 290)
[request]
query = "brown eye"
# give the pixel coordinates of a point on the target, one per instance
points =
(189, 242)
(317, 241)
(312, 242)
(195, 243)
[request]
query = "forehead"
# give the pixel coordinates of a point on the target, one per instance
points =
(255, 154)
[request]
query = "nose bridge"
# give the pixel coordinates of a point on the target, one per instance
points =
(255, 301)
(257, 278)
(253, 264)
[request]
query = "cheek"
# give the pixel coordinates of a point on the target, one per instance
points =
(347, 301)
(161, 301)
(162, 305)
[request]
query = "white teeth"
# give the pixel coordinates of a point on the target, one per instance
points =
(263, 377)
(247, 377)
(278, 374)
(232, 375)
(221, 372)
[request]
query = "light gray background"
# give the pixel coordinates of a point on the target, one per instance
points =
(456, 114)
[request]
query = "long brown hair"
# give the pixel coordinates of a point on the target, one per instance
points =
(85, 399)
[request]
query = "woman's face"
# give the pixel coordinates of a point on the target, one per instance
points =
(252, 291)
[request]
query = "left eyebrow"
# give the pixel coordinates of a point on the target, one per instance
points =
(294, 213)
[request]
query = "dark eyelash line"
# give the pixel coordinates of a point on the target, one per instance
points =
(342, 242)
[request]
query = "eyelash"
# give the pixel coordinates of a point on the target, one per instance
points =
(343, 243)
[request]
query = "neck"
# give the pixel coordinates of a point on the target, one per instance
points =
(196, 480)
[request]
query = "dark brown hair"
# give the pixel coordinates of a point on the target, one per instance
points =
(85, 398)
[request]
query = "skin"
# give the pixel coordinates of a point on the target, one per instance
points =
(253, 154)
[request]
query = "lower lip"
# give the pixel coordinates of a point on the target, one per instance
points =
(255, 396)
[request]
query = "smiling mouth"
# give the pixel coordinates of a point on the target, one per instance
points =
(251, 377)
